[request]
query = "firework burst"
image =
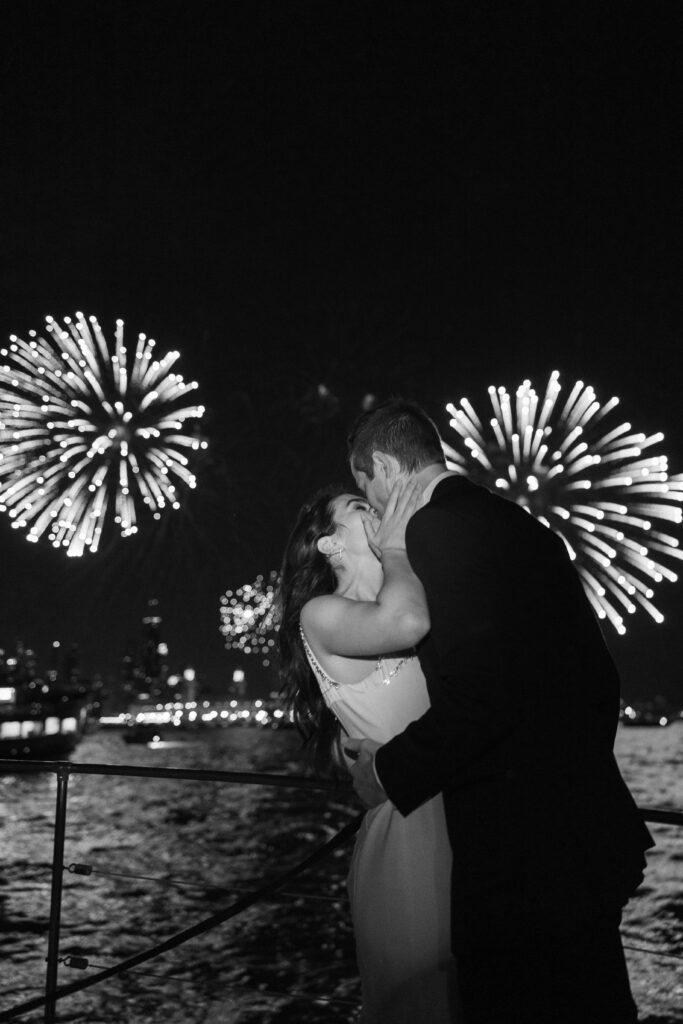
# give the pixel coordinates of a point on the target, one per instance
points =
(90, 434)
(248, 617)
(600, 487)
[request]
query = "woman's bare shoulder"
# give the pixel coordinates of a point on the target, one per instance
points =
(323, 610)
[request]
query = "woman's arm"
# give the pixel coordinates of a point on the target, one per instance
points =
(396, 619)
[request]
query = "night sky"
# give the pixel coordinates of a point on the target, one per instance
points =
(415, 198)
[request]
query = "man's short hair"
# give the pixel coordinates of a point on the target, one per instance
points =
(397, 427)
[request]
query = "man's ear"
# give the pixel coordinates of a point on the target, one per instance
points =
(386, 465)
(326, 545)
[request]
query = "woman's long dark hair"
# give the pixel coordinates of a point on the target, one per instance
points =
(306, 573)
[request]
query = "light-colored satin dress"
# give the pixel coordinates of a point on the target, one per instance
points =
(399, 881)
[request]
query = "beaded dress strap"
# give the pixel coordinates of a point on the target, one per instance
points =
(314, 663)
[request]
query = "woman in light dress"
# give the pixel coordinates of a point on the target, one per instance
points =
(352, 611)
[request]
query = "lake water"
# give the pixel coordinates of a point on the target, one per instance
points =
(159, 849)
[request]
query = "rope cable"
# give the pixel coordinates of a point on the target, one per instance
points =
(654, 952)
(234, 986)
(213, 890)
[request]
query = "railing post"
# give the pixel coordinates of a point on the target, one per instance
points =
(63, 771)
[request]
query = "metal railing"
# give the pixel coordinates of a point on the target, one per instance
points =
(63, 770)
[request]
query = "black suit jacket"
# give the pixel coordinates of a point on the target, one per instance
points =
(519, 737)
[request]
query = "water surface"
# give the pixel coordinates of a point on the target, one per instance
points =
(159, 850)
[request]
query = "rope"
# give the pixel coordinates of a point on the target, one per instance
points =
(654, 952)
(206, 925)
(206, 887)
(232, 987)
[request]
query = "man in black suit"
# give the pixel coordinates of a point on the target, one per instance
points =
(548, 844)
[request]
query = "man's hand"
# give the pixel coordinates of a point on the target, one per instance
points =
(389, 532)
(363, 773)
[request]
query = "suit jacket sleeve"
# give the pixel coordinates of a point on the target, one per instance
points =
(466, 658)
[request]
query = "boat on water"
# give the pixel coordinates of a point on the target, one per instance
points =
(46, 730)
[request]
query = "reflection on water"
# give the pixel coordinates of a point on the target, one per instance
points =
(159, 849)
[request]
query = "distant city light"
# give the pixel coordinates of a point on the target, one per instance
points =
(600, 487)
(91, 433)
(213, 714)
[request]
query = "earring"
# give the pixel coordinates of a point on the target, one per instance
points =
(338, 553)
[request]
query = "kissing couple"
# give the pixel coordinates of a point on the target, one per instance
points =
(433, 637)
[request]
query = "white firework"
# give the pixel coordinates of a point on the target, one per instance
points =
(602, 488)
(248, 617)
(89, 434)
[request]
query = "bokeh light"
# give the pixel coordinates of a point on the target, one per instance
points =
(248, 617)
